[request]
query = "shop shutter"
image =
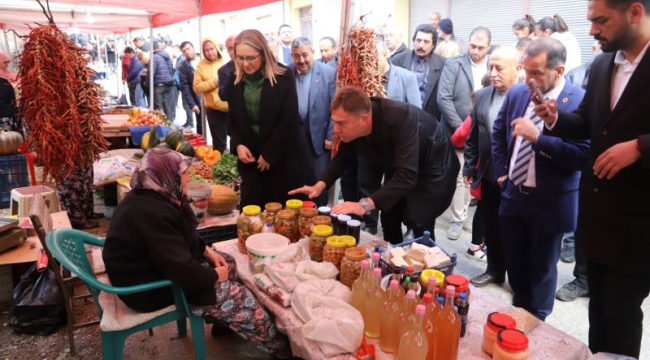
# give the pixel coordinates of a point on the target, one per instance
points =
(574, 14)
(496, 16)
(419, 11)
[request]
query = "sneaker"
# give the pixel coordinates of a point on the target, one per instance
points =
(467, 226)
(568, 254)
(477, 254)
(453, 233)
(571, 291)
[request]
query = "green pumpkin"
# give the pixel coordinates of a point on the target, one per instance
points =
(185, 148)
(164, 145)
(150, 140)
(173, 138)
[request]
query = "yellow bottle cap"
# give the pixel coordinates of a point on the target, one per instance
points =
(294, 204)
(251, 210)
(439, 275)
(322, 230)
(349, 240)
(336, 241)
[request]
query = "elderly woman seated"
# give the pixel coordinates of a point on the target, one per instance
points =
(153, 236)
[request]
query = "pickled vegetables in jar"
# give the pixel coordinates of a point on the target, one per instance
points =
(305, 221)
(270, 211)
(286, 224)
(249, 222)
(295, 205)
(317, 241)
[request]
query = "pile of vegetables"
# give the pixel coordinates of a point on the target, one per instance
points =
(225, 170)
(61, 105)
(144, 117)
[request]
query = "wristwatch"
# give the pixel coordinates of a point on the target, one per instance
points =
(366, 205)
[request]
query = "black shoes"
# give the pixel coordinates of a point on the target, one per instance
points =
(88, 224)
(485, 279)
(571, 291)
(568, 254)
(94, 216)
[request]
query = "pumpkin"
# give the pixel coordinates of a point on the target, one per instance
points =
(201, 150)
(150, 140)
(222, 200)
(10, 141)
(185, 148)
(164, 145)
(211, 157)
(173, 138)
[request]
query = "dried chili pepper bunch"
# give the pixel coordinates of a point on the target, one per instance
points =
(61, 105)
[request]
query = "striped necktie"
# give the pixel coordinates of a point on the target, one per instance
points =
(520, 171)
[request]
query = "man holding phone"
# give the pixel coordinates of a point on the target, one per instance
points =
(539, 177)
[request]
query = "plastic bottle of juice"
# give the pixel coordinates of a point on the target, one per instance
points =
(448, 335)
(374, 302)
(397, 275)
(407, 316)
(360, 288)
(429, 329)
(389, 336)
(414, 344)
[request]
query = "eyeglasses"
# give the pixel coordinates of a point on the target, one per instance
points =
(247, 58)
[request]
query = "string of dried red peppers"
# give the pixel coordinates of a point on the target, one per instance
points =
(60, 105)
(358, 66)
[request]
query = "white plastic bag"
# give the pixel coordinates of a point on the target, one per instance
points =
(110, 169)
(312, 270)
(329, 319)
(282, 275)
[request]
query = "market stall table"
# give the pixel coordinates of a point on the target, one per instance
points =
(546, 342)
(115, 126)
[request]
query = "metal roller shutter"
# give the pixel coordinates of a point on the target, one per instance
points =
(419, 14)
(498, 17)
(574, 14)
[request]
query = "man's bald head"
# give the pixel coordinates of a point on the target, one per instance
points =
(504, 67)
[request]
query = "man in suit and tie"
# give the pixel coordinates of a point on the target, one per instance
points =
(315, 85)
(504, 69)
(614, 193)
(539, 176)
(459, 78)
(426, 65)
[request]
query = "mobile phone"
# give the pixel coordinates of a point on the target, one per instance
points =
(538, 97)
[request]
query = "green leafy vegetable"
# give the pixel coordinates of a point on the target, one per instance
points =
(225, 170)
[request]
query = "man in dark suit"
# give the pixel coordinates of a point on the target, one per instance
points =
(394, 41)
(539, 175)
(505, 66)
(284, 49)
(413, 150)
(426, 65)
(186, 76)
(614, 193)
(315, 86)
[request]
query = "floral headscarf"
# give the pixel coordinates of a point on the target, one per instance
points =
(6, 73)
(160, 170)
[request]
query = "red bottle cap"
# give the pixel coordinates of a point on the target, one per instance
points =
(512, 340)
(460, 282)
(308, 204)
(498, 321)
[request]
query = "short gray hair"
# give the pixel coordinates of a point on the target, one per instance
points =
(299, 42)
(555, 51)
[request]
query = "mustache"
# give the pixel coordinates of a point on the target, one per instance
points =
(599, 38)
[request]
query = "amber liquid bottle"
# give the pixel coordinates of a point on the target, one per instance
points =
(389, 336)
(407, 316)
(429, 329)
(360, 289)
(414, 344)
(374, 302)
(448, 334)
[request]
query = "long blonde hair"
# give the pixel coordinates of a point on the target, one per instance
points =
(256, 40)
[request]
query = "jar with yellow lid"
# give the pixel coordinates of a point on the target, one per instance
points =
(351, 264)
(335, 250)
(424, 279)
(317, 241)
(511, 344)
(295, 205)
(249, 222)
(286, 224)
(270, 211)
(496, 322)
(305, 221)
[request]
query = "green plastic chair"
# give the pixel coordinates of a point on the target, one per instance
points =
(67, 246)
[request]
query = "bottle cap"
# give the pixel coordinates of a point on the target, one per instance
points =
(309, 204)
(269, 224)
(376, 272)
(273, 207)
(420, 309)
(251, 210)
(354, 223)
(410, 295)
(286, 214)
(294, 204)
(336, 241)
(308, 212)
(463, 296)
(441, 300)
(394, 284)
(451, 290)
(349, 240)
(427, 298)
(499, 321)
(365, 264)
(512, 339)
(322, 230)
(344, 218)
(409, 270)
(324, 210)
(375, 257)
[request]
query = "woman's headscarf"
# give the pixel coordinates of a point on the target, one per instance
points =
(6, 73)
(160, 170)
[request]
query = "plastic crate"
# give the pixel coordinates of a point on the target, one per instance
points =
(218, 233)
(13, 174)
(387, 268)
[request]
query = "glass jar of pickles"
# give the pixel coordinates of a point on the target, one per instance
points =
(295, 205)
(270, 211)
(335, 250)
(351, 264)
(306, 220)
(321, 220)
(317, 241)
(249, 222)
(286, 224)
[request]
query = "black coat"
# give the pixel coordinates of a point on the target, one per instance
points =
(478, 146)
(148, 241)
(186, 77)
(7, 99)
(614, 214)
(281, 141)
(416, 154)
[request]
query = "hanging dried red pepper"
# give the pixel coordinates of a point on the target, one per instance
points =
(359, 66)
(60, 104)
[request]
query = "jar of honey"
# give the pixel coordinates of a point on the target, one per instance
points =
(496, 322)
(511, 344)
(286, 224)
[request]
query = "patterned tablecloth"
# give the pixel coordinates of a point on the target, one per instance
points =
(546, 342)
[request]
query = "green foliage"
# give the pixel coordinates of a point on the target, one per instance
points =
(225, 170)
